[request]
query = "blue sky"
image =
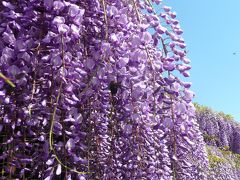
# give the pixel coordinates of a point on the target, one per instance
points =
(212, 33)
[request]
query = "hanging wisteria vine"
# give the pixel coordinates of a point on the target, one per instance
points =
(89, 90)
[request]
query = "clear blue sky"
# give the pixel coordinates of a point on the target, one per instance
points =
(212, 33)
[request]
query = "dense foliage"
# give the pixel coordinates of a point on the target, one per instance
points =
(90, 92)
(204, 109)
(221, 134)
(218, 129)
(224, 164)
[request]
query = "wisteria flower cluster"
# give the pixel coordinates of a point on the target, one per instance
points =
(96, 93)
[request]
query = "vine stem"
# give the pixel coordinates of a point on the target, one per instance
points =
(53, 119)
(113, 124)
(148, 55)
(105, 19)
(7, 80)
(136, 9)
(173, 119)
(174, 140)
(140, 151)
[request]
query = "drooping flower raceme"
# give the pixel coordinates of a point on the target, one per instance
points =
(97, 94)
